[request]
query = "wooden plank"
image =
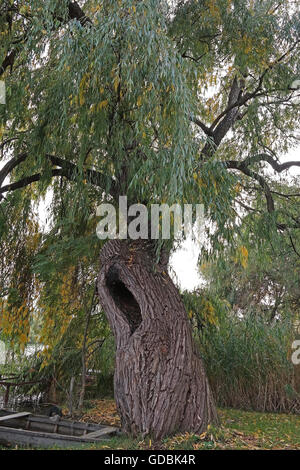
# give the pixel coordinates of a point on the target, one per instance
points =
(44, 424)
(100, 432)
(40, 439)
(15, 415)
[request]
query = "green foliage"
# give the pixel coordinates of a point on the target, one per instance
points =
(155, 102)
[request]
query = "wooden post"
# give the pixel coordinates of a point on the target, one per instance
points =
(6, 396)
(71, 391)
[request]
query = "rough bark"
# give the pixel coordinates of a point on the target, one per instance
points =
(160, 382)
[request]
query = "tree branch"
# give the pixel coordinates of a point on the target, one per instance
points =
(74, 12)
(202, 126)
(15, 161)
(29, 180)
(241, 166)
(278, 167)
(242, 99)
(68, 169)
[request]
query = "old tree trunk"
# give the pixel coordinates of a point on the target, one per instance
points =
(160, 382)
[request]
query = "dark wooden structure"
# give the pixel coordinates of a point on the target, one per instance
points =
(26, 429)
(13, 381)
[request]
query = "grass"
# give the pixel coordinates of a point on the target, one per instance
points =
(238, 430)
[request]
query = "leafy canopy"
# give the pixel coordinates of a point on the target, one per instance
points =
(183, 101)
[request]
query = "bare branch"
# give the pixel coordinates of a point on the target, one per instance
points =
(278, 167)
(13, 163)
(29, 180)
(202, 126)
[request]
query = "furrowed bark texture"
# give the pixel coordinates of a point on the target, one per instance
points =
(160, 382)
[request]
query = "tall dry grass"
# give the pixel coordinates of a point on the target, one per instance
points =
(249, 364)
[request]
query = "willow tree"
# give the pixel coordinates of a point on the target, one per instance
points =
(185, 101)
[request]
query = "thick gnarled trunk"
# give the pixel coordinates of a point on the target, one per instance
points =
(160, 382)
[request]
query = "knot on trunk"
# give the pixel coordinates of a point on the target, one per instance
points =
(123, 298)
(160, 383)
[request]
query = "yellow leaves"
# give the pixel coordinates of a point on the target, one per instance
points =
(74, 100)
(203, 267)
(149, 87)
(25, 9)
(116, 83)
(229, 3)
(96, 8)
(14, 322)
(212, 103)
(81, 99)
(102, 105)
(212, 81)
(46, 357)
(2, 130)
(84, 80)
(237, 188)
(242, 256)
(199, 180)
(103, 412)
(214, 10)
(169, 88)
(247, 44)
(98, 107)
(23, 339)
(208, 312)
(83, 86)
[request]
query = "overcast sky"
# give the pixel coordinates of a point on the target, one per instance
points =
(184, 261)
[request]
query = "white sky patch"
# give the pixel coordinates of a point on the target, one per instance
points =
(184, 261)
(293, 155)
(185, 264)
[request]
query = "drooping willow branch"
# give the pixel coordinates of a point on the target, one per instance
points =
(74, 12)
(67, 169)
(243, 166)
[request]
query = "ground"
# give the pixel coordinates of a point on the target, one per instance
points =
(238, 430)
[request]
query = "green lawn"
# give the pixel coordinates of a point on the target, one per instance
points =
(238, 430)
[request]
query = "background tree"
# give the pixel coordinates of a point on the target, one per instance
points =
(188, 103)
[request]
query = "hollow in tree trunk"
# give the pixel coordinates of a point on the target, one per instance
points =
(160, 383)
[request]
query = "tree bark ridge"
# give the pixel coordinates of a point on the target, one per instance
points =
(160, 382)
